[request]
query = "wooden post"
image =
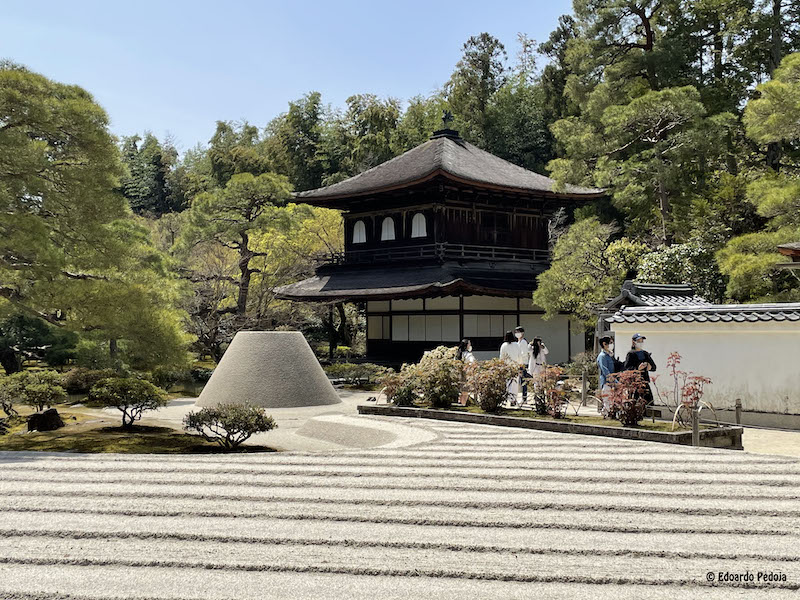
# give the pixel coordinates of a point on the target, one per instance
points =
(331, 334)
(695, 426)
(738, 411)
(584, 386)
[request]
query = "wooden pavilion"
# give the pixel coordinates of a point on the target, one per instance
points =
(443, 242)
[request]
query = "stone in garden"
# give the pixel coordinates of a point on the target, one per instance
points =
(48, 420)
(271, 369)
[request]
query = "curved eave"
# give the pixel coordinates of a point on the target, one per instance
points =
(431, 290)
(322, 199)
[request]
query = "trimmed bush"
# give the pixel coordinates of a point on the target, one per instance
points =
(489, 380)
(229, 424)
(39, 389)
(166, 377)
(201, 374)
(80, 379)
(128, 395)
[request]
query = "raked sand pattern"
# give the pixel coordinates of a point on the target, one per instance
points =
(474, 512)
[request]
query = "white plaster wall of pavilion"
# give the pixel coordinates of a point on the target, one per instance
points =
(438, 320)
(757, 362)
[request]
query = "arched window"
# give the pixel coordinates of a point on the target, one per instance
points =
(419, 226)
(387, 229)
(359, 233)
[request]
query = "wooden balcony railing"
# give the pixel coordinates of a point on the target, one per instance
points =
(443, 251)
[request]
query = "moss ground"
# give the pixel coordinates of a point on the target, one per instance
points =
(87, 433)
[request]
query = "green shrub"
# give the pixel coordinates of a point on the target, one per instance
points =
(229, 424)
(38, 388)
(201, 374)
(356, 373)
(489, 380)
(439, 375)
(584, 361)
(80, 379)
(9, 393)
(95, 355)
(165, 377)
(128, 395)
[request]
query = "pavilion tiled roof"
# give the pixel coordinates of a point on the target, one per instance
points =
(711, 313)
(357, 283)
(449, 156)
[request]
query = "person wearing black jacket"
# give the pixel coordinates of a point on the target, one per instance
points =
(638, 359)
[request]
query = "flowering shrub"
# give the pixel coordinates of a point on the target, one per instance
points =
(624, 395)
(400, 388)
(686, 393)
(549, 395)
(439, 375)
(489, 380)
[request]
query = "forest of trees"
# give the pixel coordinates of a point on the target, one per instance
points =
(688, 113)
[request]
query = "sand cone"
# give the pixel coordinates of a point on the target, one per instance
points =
(272, 369)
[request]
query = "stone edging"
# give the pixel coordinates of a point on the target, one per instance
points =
(720, 437)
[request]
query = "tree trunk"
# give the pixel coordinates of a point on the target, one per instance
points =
(113, 349)
(343, 331)
(718, 48)
(775, 149)
(776, 36)
(663, 202)
(245, 255)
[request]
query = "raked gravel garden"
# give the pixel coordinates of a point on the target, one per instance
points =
(438, 510)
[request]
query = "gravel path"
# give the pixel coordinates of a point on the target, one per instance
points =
(469, 511)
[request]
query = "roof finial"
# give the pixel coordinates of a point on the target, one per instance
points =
(447, 118)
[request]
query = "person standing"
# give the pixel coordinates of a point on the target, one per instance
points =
(466, 356)
(524, 354)
(638, 359)
(538, 357)
(509, 352)
(606, 366)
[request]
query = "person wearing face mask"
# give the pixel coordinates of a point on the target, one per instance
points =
(510, 353)
(638, 359)
(466, 356)
(606, 366)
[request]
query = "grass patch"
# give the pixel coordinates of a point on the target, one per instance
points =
(85, 433)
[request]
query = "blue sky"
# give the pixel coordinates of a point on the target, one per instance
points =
(177, 67)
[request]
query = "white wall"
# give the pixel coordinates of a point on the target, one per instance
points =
(756, 362)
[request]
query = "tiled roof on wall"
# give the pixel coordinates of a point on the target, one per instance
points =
(634, 293)
(711, 313)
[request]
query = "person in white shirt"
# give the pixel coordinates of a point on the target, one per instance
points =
(510, 353)
(467, 357)
(524, 355)
(538, 357)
